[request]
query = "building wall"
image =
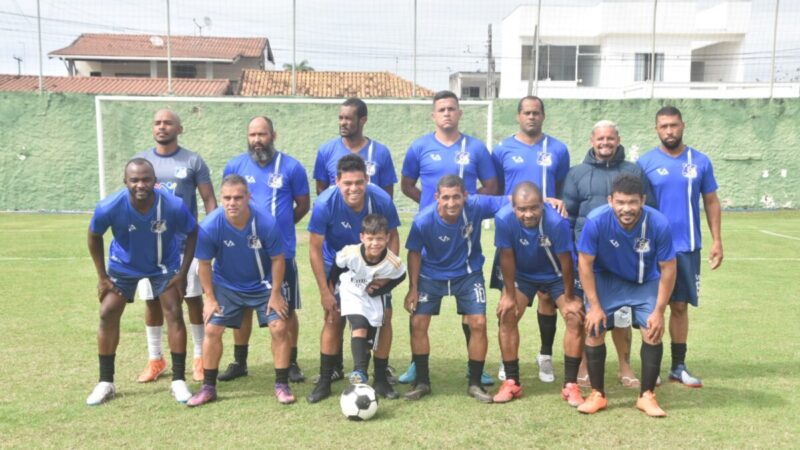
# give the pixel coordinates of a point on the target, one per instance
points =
(220, 70)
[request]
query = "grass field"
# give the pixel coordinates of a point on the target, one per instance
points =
(744, 343)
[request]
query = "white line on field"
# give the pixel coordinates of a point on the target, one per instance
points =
(761, 259)
(780, 235)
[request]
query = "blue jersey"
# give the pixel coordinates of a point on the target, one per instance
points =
(241, 257)
(536, 249)
(544, 163)
(274, 188)
(144, 244)
(428, 160)
(452, 250)
(677, 183)
(631, 255)
(380, 168)
(341, 226)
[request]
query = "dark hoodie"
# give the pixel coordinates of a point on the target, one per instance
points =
(588, 185)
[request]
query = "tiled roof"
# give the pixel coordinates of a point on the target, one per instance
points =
(118, 46)
(115, 85)
(328, 84)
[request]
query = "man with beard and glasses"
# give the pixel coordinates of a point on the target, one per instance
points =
(679, 176)
(182, 173)
(278, 184)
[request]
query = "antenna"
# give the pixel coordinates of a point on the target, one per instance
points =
(156, 41)
(206, 24)
(19, 65)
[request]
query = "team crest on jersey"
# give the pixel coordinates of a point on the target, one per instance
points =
(131, 227)
(444, 238)
(181, 172)
(524, 242)
(346, 224)
(228, 243)
(662, 171)
(642, 245)
(544, 159)
(158, 226)
(371, 168)
(614, 243)
(250, 179)
(689, 171)
(436, 157)
(462, 158)
(253, 242)
(466, 231)
(518, 159)
(275, 181)
(544, 241)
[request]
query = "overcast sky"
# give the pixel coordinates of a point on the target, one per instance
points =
(340, 34)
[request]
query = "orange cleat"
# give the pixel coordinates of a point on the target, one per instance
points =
(648, 404)
(154, 369)
(595, 402)
(197, 369)
(572, 394)
(508, 391)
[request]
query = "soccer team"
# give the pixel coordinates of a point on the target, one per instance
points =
(609, 243)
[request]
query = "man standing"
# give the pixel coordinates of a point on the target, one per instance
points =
(445, 258)
(182, 172)
(679, 176)
(278, 184)
(626, 258)
(245, 244)
(336, 222)
(146, 223)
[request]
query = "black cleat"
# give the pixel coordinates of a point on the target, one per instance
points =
(234, 371)
(420, 390)
(390, 375)
(321, 392)
(338, 374)
(385, 390)
(480, 394)
(296, 375)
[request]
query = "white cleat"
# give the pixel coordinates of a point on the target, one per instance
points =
(180, 391)
(546, 372)
(103, 392)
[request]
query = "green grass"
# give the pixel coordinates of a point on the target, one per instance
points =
(743, 343)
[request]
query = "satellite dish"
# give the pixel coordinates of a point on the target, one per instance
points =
(207, 21)
(156, 41)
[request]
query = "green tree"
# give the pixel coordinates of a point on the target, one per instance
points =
(302, 67)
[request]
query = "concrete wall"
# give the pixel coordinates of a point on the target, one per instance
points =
(48, 150)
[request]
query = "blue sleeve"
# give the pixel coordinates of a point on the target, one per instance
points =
(490, 204)
(414, 240)
(411, 163)
(666, 251)
(319, 218)
(587, 243)
(563, 165)
(299, 181)
(497, 161)
(273, 243)
(206, 248)
(502, 234)
(708, 183)
(100, 220)
(562, 237)
(388, 176)
(202, 174)
(486, 169)
(186, 221)
(320, 171)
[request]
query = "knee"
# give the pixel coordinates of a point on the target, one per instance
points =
(678, 309)
(213, 333)
(279, 330)
(477, 324)
(573, 316)
(109, 315)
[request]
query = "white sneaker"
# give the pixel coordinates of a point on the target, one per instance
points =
(501, 372)
(103, 392)
(546, 372)
(180, 391)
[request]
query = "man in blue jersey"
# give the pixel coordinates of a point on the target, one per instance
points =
(352, 119)
(626, 258)
(183, 173)
(446, 151)
(278, 184)
(535, 245)
(679, 175)
(336, 222)
(531, 155)
(245, 245)
(445, 258)
(146, 224)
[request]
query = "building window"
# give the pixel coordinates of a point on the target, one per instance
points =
(470, 92)
(184, 71)
(95, 74)
(643, 67)
(564, 63)
(698, 71)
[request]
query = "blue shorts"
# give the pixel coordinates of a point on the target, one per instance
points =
(233, 305)
(468, 290)
(615, 293)
(554, 287)
(127, 284)
(291, 285)
(687, 280)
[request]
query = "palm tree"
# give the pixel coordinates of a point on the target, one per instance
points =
(302, 67)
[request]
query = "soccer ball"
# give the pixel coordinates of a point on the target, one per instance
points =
(359, 402)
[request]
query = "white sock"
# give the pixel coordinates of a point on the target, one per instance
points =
(198, 334)
(154, 348)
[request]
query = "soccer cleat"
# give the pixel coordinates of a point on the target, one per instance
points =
(284, 394)
(546, 371)
(409, 376)
(357, 377)
(322, 390)
(571, 392)
(296, 375)
(594, 402)
(419, 390)
(479, 393)
(207, 394)
(486, 379)
(154, 369)
(234, 371)
(385, 390)
(390, 375)
(682, 375)
(197, 369)
(180, 391)
(648, 404)
(336, 375)
(501, 372)
(509, 390)
(103, 392)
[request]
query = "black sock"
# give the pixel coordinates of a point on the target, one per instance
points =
(512, 370)
(651, 365)
(547, 332)
(178, 366)
(571, 365)
(596, 362)
(467, 333)
(293, 356)
(381, 364)
(423, 375)
(282, 376)
(475, 372)
(240, 354)
(678, 354)
(360, 350)
(339, 356)
(210, 376)
(326, 364)
(107, 367)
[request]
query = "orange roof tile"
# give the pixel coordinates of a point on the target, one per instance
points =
(328, 84)
(115, 85)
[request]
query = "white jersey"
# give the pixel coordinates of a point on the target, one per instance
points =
(353, 284)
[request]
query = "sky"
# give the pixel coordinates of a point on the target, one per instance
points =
(351, 35)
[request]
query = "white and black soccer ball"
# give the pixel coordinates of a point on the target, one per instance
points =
(359, 402)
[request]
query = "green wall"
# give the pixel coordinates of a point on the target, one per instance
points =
(48, 147)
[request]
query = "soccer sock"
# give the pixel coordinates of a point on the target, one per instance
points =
(107, 367)
(240, 354)
(596, 362)
(512, 370)
(547, 332)
(210, 376)
(475, 372)
(293, 356)
(571, 365)
(340, 356)
(678, 354)
(282, 376)
(198, 334)
(326, 364)
(423, 375)
(465, 329)
(154, 348)
(360, 350)
(381, 364)
(651, 365)
(178, 366)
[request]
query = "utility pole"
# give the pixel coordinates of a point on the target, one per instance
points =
(774, 45)
(414, 59)
(653, 54)
(294, 48)
(490, 69)
(41, 64)
(169, 55)
(533, 81)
